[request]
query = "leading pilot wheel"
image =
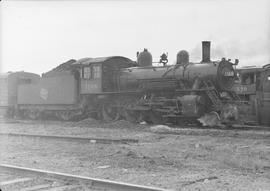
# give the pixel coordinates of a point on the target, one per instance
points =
(110, 112)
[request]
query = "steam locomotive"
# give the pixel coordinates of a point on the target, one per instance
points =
(116, 87)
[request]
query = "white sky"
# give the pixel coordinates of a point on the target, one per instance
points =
(38, 35)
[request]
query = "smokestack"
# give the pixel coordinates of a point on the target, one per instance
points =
(206, 51)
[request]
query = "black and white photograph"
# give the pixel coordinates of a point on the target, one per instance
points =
(135, 95)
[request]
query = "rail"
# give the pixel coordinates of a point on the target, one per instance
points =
(93, 183)
(72, 138)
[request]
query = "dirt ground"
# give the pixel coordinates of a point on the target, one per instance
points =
(187, 160)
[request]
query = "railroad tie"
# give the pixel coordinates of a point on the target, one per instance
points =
(15, 181)
(36, 187)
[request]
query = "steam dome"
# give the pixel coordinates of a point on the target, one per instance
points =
(182, 57)
(144, 58)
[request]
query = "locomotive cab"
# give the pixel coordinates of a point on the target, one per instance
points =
(99, 75)
(90, 79)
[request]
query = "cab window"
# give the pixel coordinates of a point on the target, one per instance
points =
(96, 72)
(248, 79)
(86, 71)
(91, 72)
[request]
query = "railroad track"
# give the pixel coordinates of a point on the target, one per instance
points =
(233, 127)
(72, 138)
(233, 132)
(28, 179)
(245, 132)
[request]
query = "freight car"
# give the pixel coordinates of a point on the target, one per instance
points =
(117, 87)
(9, 83)
(253, 87)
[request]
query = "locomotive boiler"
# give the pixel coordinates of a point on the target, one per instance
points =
(221, 74)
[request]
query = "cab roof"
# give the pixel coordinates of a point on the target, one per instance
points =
(88, 61)
(19, 73)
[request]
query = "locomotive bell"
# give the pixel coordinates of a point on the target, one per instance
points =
(144, 58)
(206, 51)
(182, 57)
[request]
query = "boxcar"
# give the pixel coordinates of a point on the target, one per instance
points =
(264, 97)
(253, 87)
(9, 83)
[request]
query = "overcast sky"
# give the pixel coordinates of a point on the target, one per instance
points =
(38, 35)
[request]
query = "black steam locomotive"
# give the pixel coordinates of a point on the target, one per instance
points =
(117, 87)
